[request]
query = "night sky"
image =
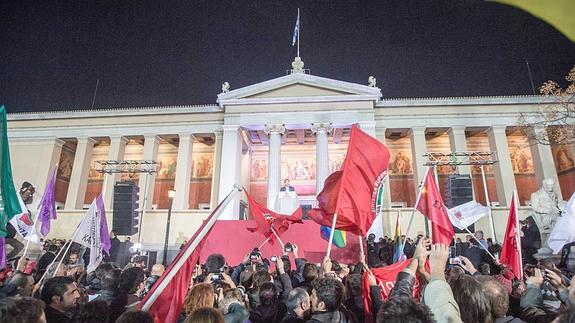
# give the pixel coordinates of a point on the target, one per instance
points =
(150, 53)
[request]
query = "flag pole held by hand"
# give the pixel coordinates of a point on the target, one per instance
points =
(331, 233)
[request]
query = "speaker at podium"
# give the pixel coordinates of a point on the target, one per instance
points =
(287, 201)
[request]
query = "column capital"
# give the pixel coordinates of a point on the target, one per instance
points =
(86, 140)
(151, 136)
(227, 128)
(274, 128)
(417, 130)
(186, 136)
(119, 138)
(499, 129)
(218, 134)
(456, 129)
(321, 127)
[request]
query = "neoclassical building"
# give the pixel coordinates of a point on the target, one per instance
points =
(295, 126)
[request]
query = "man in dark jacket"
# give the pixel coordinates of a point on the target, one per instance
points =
(531, 240)
(326, 300)
(61, 297)
(298, 306)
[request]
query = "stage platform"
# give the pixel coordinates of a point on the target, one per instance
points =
(232, 239)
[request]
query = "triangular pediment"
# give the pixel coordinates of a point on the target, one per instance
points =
(299, 85)
(298, 89)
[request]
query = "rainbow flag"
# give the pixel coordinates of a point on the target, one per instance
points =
(339, 237)
(398, 254)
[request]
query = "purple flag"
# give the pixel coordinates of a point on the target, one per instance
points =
(104, 234)
(2, 252)
(48, 205)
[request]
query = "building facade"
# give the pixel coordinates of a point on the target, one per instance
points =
(295, 126)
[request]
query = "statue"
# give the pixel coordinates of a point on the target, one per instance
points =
(372, 81)
(546, 208)
(225, 87)
(297, 65)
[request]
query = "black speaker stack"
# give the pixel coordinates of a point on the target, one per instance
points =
(126, 203)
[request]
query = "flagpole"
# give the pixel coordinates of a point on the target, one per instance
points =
(415, 207)
(277, 236)
(60, 252)
(361, 252)
(299, 27)
(488, 202)
(69, 245)
(191, 248)
(263, 243)
(517, 238)
(331, 233)
(29, 236)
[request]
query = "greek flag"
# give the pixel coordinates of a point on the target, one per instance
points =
(295, 31)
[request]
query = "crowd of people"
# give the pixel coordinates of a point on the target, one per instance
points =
(458, 283)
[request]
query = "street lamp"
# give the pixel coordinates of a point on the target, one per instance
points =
(171, 194)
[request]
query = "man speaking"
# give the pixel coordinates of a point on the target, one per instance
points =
(287, 187)
(287, 200)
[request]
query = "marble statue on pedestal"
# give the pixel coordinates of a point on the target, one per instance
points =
(546, 208)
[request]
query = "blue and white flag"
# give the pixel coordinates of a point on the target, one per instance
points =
(295, 31)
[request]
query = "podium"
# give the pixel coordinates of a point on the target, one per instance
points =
(287, 202)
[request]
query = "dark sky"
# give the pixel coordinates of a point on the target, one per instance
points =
(152, 52)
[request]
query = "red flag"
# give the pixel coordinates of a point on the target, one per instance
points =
(166, 298)
(267, 219)
(354, 192)
(511, 248)
(431, 205)
(385, 278)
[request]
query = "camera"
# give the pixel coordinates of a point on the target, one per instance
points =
(274, 258)
(455, 261)
(288, 247)
(255, 254)
(216, 278)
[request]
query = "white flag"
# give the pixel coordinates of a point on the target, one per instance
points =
(88, 235)
(466, 214)
(24, 224)
(564, 229)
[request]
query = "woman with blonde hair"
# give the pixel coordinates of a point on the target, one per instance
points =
(200, 295)
(205, 315)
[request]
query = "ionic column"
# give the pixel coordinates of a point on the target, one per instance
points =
(79, 176)
(503, 171)
(116, 152)
(458, 143)
(321, 131)
(230, 170)
(183, 172)
(53, 153)
(216, 169)
(418, 149)
(275, 133)
(387, 221)
(151, 144)
(543, 160)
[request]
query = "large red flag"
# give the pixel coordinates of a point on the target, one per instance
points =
(431, 205)
(267, 219)
(385, 278)
(511, 248)
(354, 192)
(166, 298)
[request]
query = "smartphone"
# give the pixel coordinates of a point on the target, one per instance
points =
(273, 258)
(455, 261)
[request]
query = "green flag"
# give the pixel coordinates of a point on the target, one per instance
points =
(9, 205)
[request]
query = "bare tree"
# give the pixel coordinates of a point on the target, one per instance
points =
(553, 124)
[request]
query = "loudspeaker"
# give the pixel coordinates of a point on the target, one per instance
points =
(126, 198)
(459, 190)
